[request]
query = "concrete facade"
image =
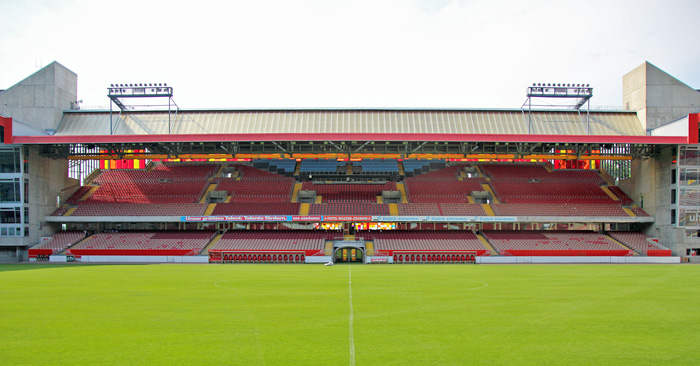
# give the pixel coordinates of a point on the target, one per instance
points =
(40, 99)
(36, 104)
(658, 97)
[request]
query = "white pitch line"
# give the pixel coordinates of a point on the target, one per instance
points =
(351, 335)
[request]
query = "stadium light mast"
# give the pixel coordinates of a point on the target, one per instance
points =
(581, 93)
(119, 93)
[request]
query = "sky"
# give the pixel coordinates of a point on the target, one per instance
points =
(349, 54)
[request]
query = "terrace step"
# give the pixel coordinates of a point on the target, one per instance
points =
(70, 211)
(486, 244)
(216, 239)
(304, 209)
(204, 196)
(609, 193)
(393, 209)
(634, 252)
(487, 187)
(629, 212)
(210, 209)
(402, 172)
(88, 193)
(488, 209)
(370, 247)
(402, 189)
(295, 192)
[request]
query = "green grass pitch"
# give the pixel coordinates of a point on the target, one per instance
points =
(247, 314)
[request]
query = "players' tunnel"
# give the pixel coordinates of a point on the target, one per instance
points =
(349, 254)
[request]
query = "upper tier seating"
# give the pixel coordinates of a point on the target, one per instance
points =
(442, 186)
(549, 240)
(61, 240)
(559, 209)
(419, 209)
(636, 240)
(195, 241)
(256, 208)
(320, 166)
(423, 240)
(349, 209)
(349, 192)
(139, 209)
(75, 197)
(462, 209)
(377, 165)
(274, 240)
(164, 184)
(281, 189)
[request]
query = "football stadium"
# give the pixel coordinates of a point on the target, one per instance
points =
(335, 236)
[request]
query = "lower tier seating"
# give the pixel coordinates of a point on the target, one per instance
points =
(249, 208)
(274, 240)
(510, 242)
(144, 243)
(637, 241)
(58, 243)
(424, 240)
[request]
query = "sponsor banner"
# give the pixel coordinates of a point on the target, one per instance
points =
(348, 218)
(307, 218)
(400, 218)
(235, 218)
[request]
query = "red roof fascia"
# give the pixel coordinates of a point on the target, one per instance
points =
(86, 139)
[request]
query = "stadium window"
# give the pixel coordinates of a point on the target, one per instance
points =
(26, 215)
(673, 196)
(673, 216)
(10, 215)
(26, 190)
(26, 231)
(10, 161)
(673, 176)
(25, 158)
(9, 190)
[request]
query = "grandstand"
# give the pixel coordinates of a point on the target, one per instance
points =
(450, 186)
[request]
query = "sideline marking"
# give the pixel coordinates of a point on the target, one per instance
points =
(351, 336)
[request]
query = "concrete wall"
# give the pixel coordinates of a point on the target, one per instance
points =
(40, 99)
(658, 97)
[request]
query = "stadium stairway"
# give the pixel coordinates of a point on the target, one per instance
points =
(295, 192)
(70, 211)
(609, 193)
(470, 199)
(487, 187)
(487, 208)
(63, 252)
(304, 209)
(218, 172)
(319, 199)
(370, 247)
(297, 168)
(328, 249)
(209, 189)
(402, 172)
(348, 169)
(634, 252)
(629, 212)
(402, 189)
(211, 244)
(89, 193)
(393, 209)
(380, 199)
(210, 209)
(549, 167)
(228, 199)
(481, 173)
(486, 244)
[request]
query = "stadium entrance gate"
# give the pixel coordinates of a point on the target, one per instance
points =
(348, 251)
